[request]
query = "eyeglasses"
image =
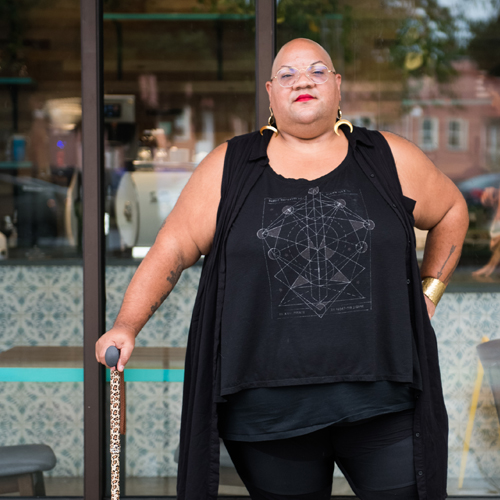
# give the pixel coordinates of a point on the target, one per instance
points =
(317, 73)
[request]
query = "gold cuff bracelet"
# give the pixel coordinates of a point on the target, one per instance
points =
(433, 288)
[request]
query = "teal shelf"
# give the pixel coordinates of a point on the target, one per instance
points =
(76, 375)
(117, 16)
(16, 80)
(41, 375)
(15, 164)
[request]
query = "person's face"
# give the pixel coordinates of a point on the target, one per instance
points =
(305, 102)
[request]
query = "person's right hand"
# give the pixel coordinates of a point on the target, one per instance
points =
(122, 339)
(489, 197)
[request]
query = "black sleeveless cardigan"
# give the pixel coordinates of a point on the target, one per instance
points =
(246, 158)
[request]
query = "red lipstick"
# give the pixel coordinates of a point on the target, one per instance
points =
(304, 97)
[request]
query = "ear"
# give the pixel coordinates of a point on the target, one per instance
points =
(338, 81)
(269, 87)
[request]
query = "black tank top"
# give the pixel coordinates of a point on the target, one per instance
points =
(316, 293)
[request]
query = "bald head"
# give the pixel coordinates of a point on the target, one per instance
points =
(288, 54)
(305, 108)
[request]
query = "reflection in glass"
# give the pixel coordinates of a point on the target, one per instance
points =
(431, 73)
(179, 80)
(429, 140)
(494, 145)
(189, 79)
(41, 310)
(457, 134)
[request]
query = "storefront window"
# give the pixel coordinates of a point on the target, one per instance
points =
(427, 71)
(178, 82)
(41, 310)
(179, 79)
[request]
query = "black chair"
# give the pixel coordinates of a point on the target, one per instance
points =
(22, 466)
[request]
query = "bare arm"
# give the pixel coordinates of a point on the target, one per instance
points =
(186, 234)
(440, 208)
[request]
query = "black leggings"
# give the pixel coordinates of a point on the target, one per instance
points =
(375, 456)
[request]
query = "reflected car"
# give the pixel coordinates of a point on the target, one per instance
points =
(473, 188)
(45, 211)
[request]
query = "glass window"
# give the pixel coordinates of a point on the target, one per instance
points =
(457, 134)
(427, 71)
(168, 103)
(41, 309)
(429, 138)
(179, 80)
(494, 146)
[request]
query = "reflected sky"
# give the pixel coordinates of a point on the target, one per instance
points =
(474, 10)
(471, 10)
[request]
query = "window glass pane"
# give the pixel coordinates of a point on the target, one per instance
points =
(457, 134)
(41, 354)
(428, 71)
(179, 79)
(493, 146)
(429, 134)
(454, 134)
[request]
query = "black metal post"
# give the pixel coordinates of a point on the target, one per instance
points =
(265, 50)
(93, 244)
(119, 50)
(220, 49)
(14, 97)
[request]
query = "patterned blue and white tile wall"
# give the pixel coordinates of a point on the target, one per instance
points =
(43, 306)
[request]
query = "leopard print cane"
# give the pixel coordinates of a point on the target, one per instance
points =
(114, 447)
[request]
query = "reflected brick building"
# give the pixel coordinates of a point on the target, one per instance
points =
(457, 124)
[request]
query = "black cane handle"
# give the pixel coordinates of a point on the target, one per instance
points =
(112, 356)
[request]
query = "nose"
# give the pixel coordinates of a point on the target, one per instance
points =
(303, 80)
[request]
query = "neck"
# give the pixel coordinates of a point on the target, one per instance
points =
(310, 144)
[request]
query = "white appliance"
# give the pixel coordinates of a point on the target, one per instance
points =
(143, 201)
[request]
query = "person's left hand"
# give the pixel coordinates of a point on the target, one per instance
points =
(431, 308)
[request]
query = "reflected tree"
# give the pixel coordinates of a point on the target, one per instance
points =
(382, 39)
(427, 43)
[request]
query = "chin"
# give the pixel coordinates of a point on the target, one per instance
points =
(308, 124)
(305, 118)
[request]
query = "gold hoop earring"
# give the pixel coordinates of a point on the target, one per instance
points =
(341, 122)
(269, 125)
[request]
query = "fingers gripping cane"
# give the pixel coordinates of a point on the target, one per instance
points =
(116, 381)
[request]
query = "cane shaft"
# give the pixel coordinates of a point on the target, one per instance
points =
(115, 434)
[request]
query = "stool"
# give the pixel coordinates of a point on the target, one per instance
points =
(489, 357)
(22, 466)
(489, 354)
